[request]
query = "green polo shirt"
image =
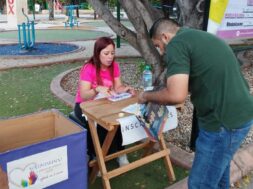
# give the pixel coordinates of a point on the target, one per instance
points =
(218, 89)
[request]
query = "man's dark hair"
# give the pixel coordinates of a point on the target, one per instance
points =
(161, 25)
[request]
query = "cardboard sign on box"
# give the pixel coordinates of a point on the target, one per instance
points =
(42, 150)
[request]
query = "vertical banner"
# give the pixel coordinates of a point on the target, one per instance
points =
(14, 11)
(10, 7)
(229, 19)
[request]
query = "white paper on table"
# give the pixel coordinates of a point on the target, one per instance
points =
(131, 129)
(120, 96)
(99, 96)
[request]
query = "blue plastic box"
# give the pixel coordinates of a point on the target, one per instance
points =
(42, 150)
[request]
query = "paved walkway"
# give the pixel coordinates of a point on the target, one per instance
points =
(84, 52)
(242, 163)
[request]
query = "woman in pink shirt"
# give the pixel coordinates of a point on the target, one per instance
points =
(101, 75)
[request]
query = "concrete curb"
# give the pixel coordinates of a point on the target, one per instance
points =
(23, 62)
(56, 89)
(241, 164)
(18, 62)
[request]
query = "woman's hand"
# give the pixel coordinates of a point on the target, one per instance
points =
(104, 90)
(130, 90)
(125, 89)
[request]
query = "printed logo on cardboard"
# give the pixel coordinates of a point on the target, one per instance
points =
(39, 170)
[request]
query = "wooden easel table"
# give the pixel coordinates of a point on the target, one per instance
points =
(106, 113)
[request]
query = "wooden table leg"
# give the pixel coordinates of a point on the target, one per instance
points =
(108, 140)
(3, 179)
(106, 145)
(170, 171)
(100, 153)
(148, 149)
(97, 147)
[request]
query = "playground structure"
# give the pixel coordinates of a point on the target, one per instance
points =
(27, 30)
(71, 18)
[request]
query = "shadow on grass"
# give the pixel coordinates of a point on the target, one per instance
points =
(150, 176)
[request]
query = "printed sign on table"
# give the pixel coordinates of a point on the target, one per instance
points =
(131, 129)
(39, 170)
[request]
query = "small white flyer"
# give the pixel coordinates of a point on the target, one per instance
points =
(39, 170)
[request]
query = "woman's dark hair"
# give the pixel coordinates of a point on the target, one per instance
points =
(100, 44)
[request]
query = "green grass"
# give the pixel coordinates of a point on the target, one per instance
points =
(150, 176)
(27, 90)
(53, 35)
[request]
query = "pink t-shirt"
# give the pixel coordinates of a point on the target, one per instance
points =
(88, 73)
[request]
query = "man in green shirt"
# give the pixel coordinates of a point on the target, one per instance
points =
(205, 66)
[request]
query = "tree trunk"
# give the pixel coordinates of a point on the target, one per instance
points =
(191, 13)
(145, 46)
(51, 9)
(142, 15)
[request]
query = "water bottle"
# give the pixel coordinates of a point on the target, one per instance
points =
(147, 78)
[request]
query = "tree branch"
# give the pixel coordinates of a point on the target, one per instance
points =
(114, 24)
(149, 52)
(189, 14)
(144, 14)
(153, 12)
